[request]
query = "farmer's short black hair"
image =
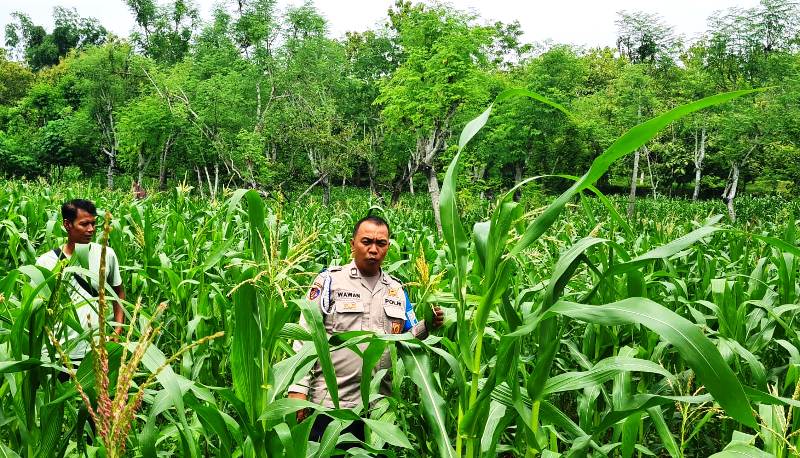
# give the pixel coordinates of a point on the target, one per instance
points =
(376, 220)
(69, 210)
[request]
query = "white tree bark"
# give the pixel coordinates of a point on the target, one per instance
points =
(112, 163)
(433, 190)
(730, 191)
(428, 148)
(733, 181)
(634, 180)
(371, 175)
(634, 175)
(111, 145)
(200, 182)
(162, 163)
(410, 178)
(326, 187)
(480, 172)
(518, 169)
(699, 156)
(653, 184)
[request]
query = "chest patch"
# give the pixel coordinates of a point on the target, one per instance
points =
(349, 307)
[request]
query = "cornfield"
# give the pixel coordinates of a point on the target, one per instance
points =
(570, 331)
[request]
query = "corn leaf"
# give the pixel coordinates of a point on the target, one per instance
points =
(695, 348)
(319, 336)
(434, 409)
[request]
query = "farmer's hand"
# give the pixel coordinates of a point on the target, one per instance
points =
(302, 413)
(438, 317)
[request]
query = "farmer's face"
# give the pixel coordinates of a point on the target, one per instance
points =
(82, 229)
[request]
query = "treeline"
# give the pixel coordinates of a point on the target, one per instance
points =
(264, 98)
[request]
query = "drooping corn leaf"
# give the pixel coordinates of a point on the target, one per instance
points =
(695, 348)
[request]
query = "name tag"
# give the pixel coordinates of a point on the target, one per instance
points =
(345, 295)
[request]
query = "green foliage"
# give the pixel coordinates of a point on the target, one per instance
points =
(261, 97)
(570, 330)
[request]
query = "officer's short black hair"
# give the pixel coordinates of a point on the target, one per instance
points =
(376, 220)
(69, 210)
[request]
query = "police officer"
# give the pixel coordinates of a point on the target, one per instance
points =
(357, 297)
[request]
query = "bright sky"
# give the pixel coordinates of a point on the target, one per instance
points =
(580, 22)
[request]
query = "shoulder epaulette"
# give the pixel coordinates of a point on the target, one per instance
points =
(335, 268)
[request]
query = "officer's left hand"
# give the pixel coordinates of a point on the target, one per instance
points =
(438, 317)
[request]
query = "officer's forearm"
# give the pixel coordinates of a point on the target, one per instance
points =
(420, 330)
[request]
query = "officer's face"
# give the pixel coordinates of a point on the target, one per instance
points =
(369, 247)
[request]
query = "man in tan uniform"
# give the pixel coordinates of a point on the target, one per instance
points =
(357, 297)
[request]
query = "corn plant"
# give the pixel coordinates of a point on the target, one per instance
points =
(570, 330)
(498, 252)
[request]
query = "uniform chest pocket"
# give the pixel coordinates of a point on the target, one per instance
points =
(349, 315)
(395, 318)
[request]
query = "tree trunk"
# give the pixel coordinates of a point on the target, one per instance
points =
(396, 191)
(635, 174)
(410, 179)
(433, 190)
(162, 163)
(212, 193)
(252, 173)
(401, 176)
(326, 195)
(371, 175)
(517, 180)
(308, 189)
(162, 171)
(216, 177)
(199, 182)
(634, 180)
(699, 155)
(730, 191)
(479, 173)
(112, 162)
(650, 171)
(111, 143)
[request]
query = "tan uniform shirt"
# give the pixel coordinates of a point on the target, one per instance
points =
(349, 304)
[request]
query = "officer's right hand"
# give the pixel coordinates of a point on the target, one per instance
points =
(302, 413)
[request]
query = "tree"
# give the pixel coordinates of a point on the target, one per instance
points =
(42, 49)
(749, 48)
(106, 78)
(15, 80)
(164, 33)
(315, 74)
(646, 41)
(645, 38)
(149, 130)
(370, 57)
(440, 71)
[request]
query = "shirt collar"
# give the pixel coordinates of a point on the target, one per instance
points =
(355, 273)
